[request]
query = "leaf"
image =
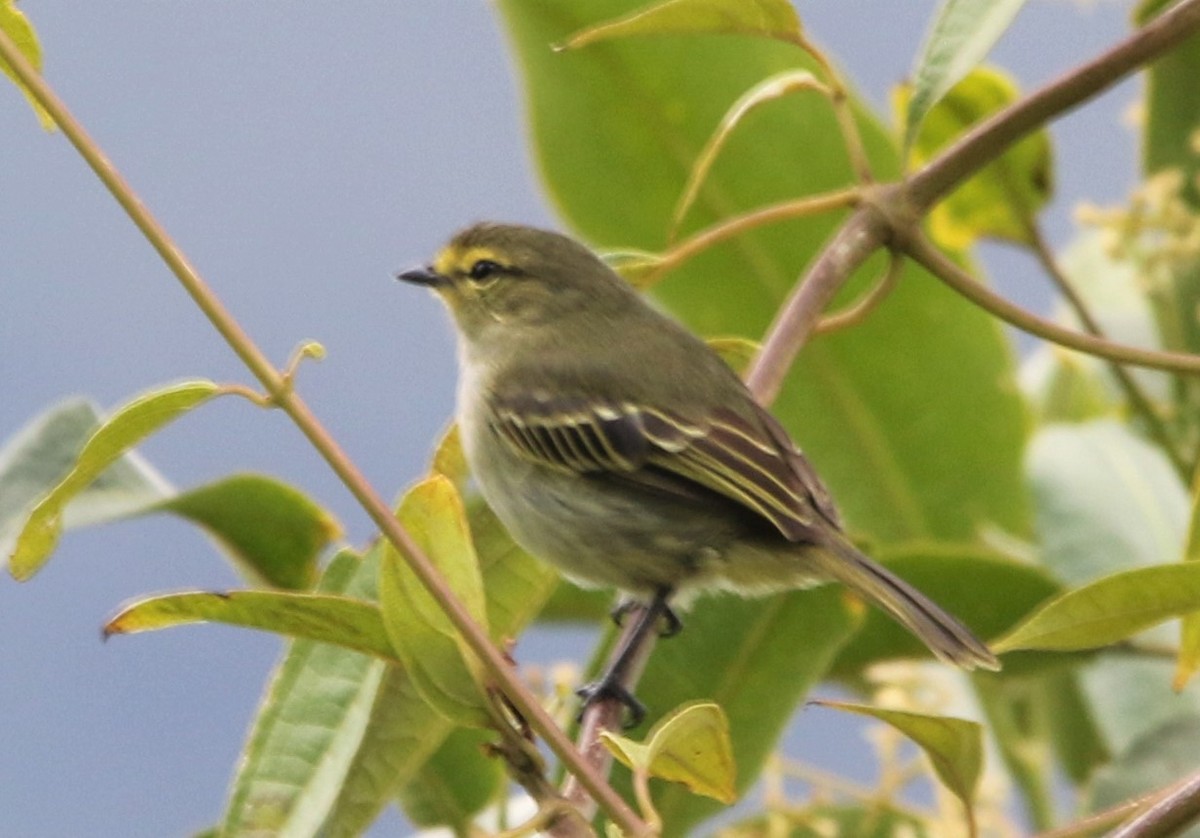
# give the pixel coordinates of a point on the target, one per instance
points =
(767, 90)
(1111, 609)
(443, 669)
(690, 746)
(744, 656)
(764, 18)
(404, 730)
(961, 34)
(954, 746)
(1172, 115)
(17, 27)
(312, 721)
(454, 784)
(39, 455)
(272, 530)
(1106, 500)
(1189, 641)
(1003, 199)
(449, 459)
(123, 430)
(351, 623)
(988, 589)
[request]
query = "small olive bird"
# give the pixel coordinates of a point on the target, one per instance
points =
(620, 448)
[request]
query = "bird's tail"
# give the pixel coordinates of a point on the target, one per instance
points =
(945, 636)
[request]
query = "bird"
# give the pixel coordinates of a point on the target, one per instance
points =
(616, 445)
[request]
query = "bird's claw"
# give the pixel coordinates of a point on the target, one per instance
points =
(608, 689)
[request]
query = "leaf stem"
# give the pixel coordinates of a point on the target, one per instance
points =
(857, 312)
(280, 391)
(860, 161)
(1178, 807)
(921, 250)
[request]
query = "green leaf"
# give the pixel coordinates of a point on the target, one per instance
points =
(987, 589)
(1003, 199)
(1015, 711)
(616, 129)
(764, 18)
(742, 655)
(123, 430)
(443, 669)
(1077, 739)
(41, 454)
(1110, 609)
(1172, 114)
(1189, 642)
(454, 784)
(961, 34)
(272, 530)
(17, 27)
(351, 623)
(954, 746)
(1106, 500)
(404, 730)
(689, 746)
(310, 725)
(738, 353)
(449, 460)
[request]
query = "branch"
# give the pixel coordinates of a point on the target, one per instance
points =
(282, 394)
(1177, 808)
(921, 250)
(861, 235)
(988, 139)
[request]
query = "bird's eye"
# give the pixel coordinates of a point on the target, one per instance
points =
(483, 269)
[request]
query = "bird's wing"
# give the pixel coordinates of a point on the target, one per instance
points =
(751, 463)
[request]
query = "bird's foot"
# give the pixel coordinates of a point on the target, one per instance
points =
(671, 624)
(609, 689)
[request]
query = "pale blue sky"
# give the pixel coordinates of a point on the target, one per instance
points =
(300, 153)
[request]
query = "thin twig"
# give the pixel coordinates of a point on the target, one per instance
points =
(280, 391)
(860, 161)
(733, 227)
(854, 314)
(920, 249)
(987, 140)
(1138, 400)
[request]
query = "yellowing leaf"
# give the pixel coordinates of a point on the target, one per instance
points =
(690, 746)
(352, 623)
(1109, 609)
(1189, 642)
(449, 459)
(443, 669)
(1002, 198)
(123, 430)
(17, 27)
(765, 18)
(954, 746)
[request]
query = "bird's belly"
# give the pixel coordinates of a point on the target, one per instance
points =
(599, 533)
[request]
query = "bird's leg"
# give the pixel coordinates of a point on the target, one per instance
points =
(671, 622)
(611, 684)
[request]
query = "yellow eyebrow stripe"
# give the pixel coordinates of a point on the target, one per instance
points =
(452, 260)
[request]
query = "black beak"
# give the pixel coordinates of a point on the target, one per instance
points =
(422, 276)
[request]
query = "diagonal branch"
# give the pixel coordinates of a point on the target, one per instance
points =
(279, 389)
